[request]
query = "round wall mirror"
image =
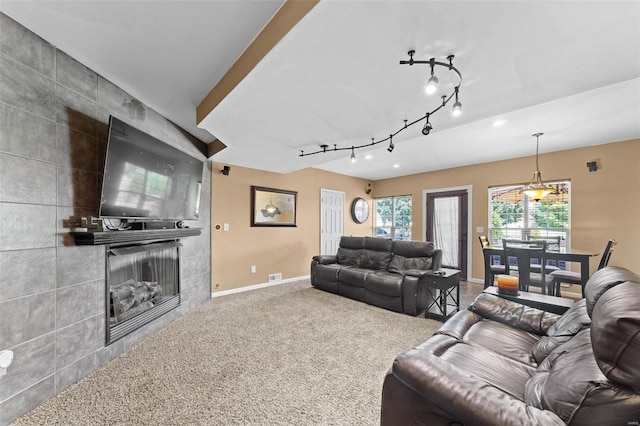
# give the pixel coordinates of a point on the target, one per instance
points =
(359, 210)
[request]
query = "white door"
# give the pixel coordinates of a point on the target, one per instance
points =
(331, 220)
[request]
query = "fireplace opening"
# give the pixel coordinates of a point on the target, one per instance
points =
(142, 283)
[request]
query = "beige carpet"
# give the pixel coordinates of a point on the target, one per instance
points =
(288, 354)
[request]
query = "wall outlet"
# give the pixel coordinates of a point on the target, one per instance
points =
(225, 227)
(275, 277)
(253, 269)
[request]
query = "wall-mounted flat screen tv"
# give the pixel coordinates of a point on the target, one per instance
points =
(145, 178)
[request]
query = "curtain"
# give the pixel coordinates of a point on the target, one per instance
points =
(446, 214)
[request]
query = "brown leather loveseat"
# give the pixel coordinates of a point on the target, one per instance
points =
(503, 363)
(378, 271)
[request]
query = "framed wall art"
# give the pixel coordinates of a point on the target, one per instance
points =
(273, 207)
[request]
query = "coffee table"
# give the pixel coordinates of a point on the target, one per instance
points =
(443, 293)
(553, 304)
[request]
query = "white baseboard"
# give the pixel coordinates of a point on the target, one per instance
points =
(476, 280)
(257, 286)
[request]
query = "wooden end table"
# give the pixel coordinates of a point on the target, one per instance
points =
(443, 293)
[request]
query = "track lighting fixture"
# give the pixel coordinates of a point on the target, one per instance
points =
(353, 155)
(432, 87)
(427, 126)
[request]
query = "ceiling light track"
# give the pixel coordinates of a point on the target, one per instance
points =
(432, 86)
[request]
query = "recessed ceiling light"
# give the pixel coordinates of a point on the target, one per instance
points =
(499, 123)
(395, 166)
(368, 157)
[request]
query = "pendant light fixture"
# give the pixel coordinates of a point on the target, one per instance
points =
(536, 190)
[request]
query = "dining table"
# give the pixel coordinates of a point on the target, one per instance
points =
(573, 255)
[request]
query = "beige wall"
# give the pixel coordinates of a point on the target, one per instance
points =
(272, 250)
(605, 204)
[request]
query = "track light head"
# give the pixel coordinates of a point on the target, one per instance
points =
(457, 106)
(353, 155)
(432, 85)
(427, 126)
(391, 146)
(457, 109)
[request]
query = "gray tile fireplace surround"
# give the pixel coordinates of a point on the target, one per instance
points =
(53, 114)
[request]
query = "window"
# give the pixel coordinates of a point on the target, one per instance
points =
(512, 215)
(393, 217)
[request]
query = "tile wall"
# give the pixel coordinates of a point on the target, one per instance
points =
(53, 129)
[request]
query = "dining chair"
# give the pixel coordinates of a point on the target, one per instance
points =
(553, 244)
(523, 252)
(570, 277)
(496, 269)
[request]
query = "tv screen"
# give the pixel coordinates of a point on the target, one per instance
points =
(144, 178)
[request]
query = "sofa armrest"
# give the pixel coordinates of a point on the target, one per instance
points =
(458, 325)
(457, 395)
(325, 259)
(513, 314)
(418, 273)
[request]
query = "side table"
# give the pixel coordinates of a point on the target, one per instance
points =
(443, 293)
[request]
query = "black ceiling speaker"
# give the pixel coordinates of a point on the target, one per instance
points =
(226, 170)
(592, 166)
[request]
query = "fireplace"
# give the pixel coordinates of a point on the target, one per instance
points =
(142, 283)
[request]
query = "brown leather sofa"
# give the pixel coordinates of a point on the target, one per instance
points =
(503, 363)
(378, 271)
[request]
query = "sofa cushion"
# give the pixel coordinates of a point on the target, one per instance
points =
(355, 243)
(411, 255)
(570, 383)
(503, 373)
(376, 254)
(378, 244)
(615, 334)
(574, 320)
(350, 250)
(492, 336)
(383, 282)
(353, 276)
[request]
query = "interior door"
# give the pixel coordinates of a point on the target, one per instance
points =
(332, 220)
(447, 214)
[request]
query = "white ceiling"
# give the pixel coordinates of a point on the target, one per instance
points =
(568, 69)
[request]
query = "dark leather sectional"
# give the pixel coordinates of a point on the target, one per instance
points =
(378, 271)
(503, 363)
